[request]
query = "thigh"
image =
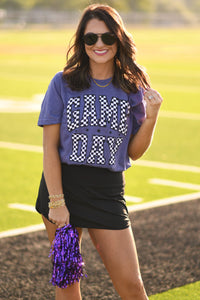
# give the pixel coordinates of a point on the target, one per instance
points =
(118, 252)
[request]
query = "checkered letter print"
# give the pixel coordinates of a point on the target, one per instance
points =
(73, 116)
(124, 111)
(97, 151)
(114, 144)
(79, 147)
(109, 112)
(89, 111)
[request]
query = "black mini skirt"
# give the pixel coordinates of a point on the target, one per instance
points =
(93, 196)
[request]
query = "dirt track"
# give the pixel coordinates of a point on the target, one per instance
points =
(168, 243)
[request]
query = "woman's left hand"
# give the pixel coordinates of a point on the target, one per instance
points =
(153, 102)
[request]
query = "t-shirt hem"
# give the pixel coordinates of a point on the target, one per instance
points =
(41, 123)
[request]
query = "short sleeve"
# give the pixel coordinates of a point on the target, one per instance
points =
(52, 105)
(137, 110)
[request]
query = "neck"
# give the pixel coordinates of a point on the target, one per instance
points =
(101, 71)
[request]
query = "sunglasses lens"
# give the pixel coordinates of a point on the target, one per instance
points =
(90, 38)
(108, 38)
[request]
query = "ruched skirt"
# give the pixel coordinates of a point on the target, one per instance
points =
(93, 196)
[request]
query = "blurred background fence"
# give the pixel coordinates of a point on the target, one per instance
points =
(22, 18)
(58, 12)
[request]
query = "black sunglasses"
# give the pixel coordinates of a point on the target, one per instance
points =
(107, 38)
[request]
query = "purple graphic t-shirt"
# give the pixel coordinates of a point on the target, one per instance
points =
(96, 124)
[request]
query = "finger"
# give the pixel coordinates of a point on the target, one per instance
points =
(52, 221)
(61, 225)
(153, 97)
(149, 98)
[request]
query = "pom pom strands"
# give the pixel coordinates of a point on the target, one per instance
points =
(66, 258)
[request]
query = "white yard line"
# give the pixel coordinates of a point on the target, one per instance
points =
(21, 147)
(164, 202)
(137, 207)
(179, 115)
(20, 206)
(133, 199)
(18, 106)
(34, 105)
(23, 230)
(132, 208)
(178, 184)
(140, 162)
(167, 166)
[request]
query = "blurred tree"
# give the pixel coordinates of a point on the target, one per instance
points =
(170, 5)
(77, 4)
(117, 4)
(194, 5)
(10, 4)
(120, 5)
(144, 5)
(50, 4)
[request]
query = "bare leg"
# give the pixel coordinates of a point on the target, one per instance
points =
(118, 252)
(72, 292)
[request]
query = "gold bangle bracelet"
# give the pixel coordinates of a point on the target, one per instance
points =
(57, 204)
(56, 196)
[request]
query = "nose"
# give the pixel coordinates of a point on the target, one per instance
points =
(99, 42)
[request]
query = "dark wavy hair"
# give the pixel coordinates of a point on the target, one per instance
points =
(128, 75)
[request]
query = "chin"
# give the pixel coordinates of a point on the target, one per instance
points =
(102, 60)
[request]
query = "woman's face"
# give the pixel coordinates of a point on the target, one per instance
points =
(99, 53)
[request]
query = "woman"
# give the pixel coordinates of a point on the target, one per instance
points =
(94, 118)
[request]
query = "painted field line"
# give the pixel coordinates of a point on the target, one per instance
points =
(132, 208)
(31, 208)
(20, 206)
(179, 115)
(18, 106)
(164, 202)
(133, 199)
(167, 166)
(23, 230)
(178, 184)
(34, 105)
(21, 147)
(139, 162)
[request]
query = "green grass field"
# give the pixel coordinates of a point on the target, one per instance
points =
(30, 58)
(188, 292)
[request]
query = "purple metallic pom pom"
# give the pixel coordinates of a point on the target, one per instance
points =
(66, 258)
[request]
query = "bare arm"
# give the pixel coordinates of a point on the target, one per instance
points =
(52, 171)
(140, 142)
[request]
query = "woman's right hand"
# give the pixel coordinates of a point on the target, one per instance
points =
(59, 216)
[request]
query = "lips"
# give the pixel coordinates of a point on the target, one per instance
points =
(101, 52)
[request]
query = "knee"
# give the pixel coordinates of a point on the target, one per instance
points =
(133, 288)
